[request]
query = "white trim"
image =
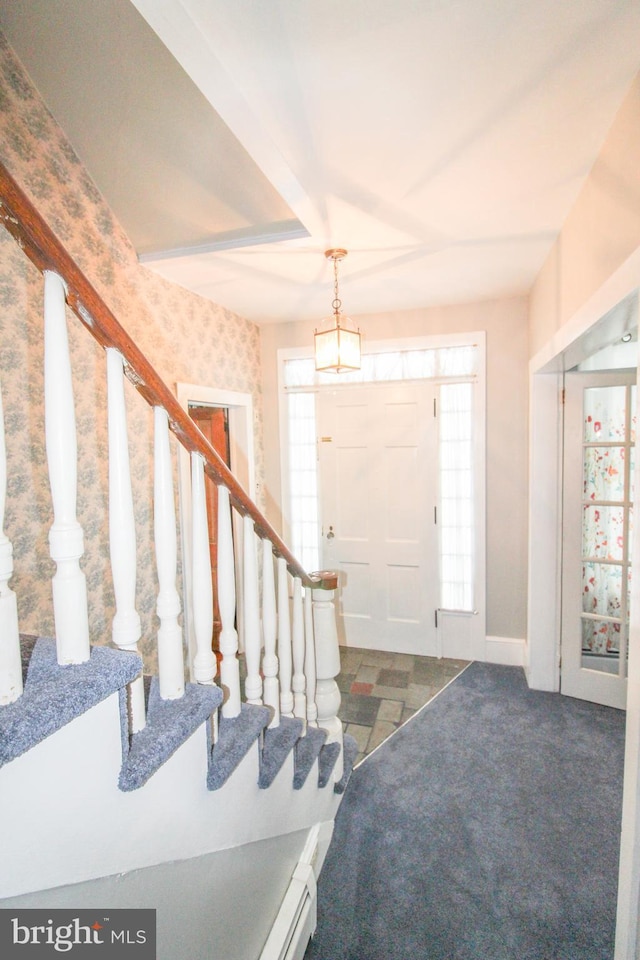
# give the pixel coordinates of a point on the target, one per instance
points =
(508, 651)
(242, 459)
(545, 532)
(474, 338)
(296, 921)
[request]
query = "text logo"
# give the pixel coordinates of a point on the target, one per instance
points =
(80, 934)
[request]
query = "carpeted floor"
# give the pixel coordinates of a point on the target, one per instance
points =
(487, 828)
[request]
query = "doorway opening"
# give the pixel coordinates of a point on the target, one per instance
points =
(226, 419)
(213, 422)
(588, 344)
(598, 495)
(383, 480)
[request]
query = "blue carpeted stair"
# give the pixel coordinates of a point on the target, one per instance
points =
(326, 762)
(306, 751)
(350, 752)
(55, 695)
(235, 739)
(278, 744)
(169, 724)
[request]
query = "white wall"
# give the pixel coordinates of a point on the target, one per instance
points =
(505, 323)
(594, 264)
(220, 906)
(600, 234)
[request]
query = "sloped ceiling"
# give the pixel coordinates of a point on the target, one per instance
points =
(441, 143)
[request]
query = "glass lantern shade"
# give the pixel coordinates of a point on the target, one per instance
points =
(337, 349)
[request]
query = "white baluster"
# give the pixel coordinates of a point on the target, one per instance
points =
(269, 631)
(204, 662)
(66, 540)
(310, 660)
(298, 681)
(328, 668)
(10, 664)
(284, 640)
(122, 533)
(229, 667)
(170, 656)
(252, 641)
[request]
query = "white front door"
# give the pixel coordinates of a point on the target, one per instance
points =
(378, 479)
(599, 442)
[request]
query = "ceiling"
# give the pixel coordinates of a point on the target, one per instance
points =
(442, 142)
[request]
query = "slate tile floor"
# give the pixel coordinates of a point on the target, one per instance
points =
(381, 691)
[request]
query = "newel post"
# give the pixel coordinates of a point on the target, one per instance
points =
(10, 665)
(327, 661)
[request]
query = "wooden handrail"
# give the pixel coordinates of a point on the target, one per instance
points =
(45, 251)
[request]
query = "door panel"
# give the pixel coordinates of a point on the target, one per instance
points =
(214, 424)
(378, 457)
(597, 518)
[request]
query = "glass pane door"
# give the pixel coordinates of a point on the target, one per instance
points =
(600, 423)
(607, 496)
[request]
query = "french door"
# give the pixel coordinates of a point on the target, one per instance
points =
(598, 496)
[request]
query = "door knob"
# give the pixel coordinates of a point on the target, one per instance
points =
(331, 534)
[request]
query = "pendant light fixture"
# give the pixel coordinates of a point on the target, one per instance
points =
(337, 349)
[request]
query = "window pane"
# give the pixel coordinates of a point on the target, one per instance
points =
(602, 589)
(600, 636)
(303, 480)
(456, 515)
(604, 414)
(602, 532)
(604, 473)
(424, 364)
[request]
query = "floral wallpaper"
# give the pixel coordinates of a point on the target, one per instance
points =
(186, 338)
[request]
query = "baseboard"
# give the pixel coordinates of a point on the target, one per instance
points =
(296, 921)
(508, 651)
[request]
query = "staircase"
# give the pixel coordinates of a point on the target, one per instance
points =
(104, 769)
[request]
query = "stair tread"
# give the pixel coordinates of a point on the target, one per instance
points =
(326, 762)
(350, 752)
(55, 695)
(235, 738)
(278, 744)
(169, 724)
(307, 750)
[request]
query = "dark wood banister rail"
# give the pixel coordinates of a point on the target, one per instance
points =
(45, 251)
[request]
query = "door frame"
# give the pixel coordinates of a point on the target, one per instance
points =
(591, 328)
(474, 622)
(242, 460)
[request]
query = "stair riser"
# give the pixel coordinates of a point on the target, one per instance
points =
(88, 828)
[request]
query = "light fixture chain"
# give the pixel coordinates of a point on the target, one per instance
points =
(336, 296)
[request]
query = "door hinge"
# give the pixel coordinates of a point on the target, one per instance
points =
(435, 407)
(436, 618)
(563, 396)
(435, 514)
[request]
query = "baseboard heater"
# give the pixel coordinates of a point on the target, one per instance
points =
(297, 918)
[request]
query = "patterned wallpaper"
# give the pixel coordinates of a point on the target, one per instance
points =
(186, 338)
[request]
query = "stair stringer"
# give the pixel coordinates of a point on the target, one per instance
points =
(65, 820)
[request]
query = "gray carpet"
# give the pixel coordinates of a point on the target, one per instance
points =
(487, 828)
